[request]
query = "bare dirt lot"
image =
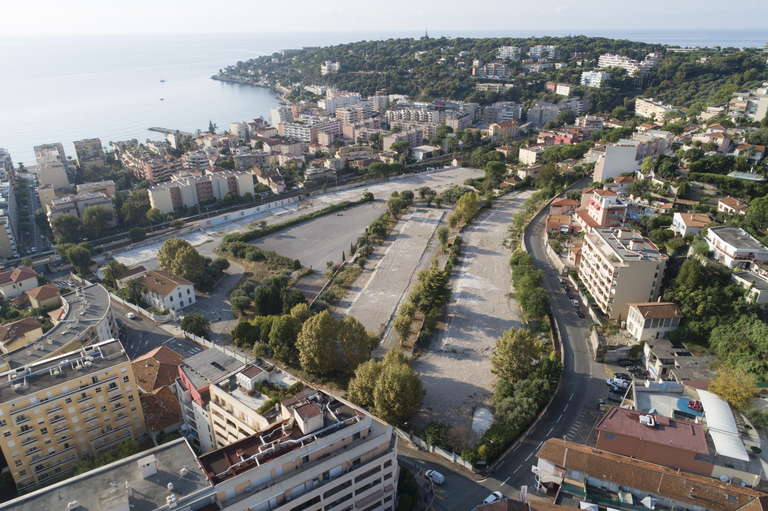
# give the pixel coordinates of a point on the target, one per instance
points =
(456, 371)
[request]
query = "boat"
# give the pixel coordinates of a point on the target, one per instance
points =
(162, 81)
(161, 99)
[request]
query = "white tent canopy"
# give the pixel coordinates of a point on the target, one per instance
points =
(649, 502)
(588, 505)
(722, 427)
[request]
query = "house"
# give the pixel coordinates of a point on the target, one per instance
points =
(754, 152)
(421, 152)
(499, 130)
(166, 291)
(756, 286)
(156, 369)
(533, 172)
(129, 274)
(271, 178)
(732, 205)
(15, 282)
(19, 333)
(735, 247)
(574, 254)
(603, 209)
(162, 412)
(44, 296)
(530, 155)
(653, 320)
(620, 184)
(510, 181)
(563, 206)
(669, 442)
(689, 223)
(721, 140)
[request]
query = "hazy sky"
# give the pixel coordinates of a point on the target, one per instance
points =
(198, 16)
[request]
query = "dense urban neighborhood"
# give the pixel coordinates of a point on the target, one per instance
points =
(444, 274)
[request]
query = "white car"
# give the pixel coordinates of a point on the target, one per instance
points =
(493, 497)
(434, 476)
(575, 303)
(130, 315)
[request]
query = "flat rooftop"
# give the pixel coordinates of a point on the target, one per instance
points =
(667, 431)
(737, 237)
(104, 488)
(209, 366)
(622, 245)
(758, 281)
(84, 308)
(70, 366)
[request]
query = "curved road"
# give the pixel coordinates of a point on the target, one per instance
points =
(572, 413)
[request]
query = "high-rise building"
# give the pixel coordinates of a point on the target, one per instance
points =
(508, 52)
(65, 408)
(52, 165)
(89, 152)
(189, 190)
(593, 78)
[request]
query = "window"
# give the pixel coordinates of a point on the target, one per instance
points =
(179, 294)
(150, 417)
(103, 408)
(3, 423)
(44, 431)
(171, 298)
(133, 408)
(6, 433)
(356, 436)
(22, 473)
(187, 290)
(94, 379)
(109, 427)
(112, 386)
(125, 379)
(18, 463)
(610, 436)
(130, 398)
(47, 441)
(98, 389)
(68, 400)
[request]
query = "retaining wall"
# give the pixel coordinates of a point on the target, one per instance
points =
(452, 457)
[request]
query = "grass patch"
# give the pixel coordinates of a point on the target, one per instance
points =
(341, 283)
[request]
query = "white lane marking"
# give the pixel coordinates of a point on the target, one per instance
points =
(534, 429)
(516, 448)
(500, 464)
(526, 459)
(570, 397)
(566, 407)
(537, 447)
(510, 477)
(515, 472)
(550, 431)
(558, 419)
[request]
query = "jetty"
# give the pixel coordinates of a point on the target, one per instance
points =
(168, 130)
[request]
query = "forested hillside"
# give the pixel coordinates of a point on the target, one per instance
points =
(367, 66)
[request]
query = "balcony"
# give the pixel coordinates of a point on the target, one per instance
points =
(57, 419)
(121, 406)
(55, 464)
(64, 439)
(125, 435)
(110, 431)
(116, 397)
(91, 428)
(89, 407)
(54, 410)
(29, 440)
(21, 419)
(86, 398)
(32, 451)
(89, 419)
(60, 429)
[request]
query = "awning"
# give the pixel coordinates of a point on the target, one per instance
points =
(649, 502)
(588, 505)
(722, 427)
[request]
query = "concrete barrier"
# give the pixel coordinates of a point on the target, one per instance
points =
(452, 457)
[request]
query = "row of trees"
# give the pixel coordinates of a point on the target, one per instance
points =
(526, 279)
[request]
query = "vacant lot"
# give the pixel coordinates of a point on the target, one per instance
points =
(456, 371)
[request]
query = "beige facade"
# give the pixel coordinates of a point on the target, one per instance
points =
(619, 267)
(184, 189)
(57, 411)
(46, 194)
(55, 176)
(107, 187)
(76, 205)
(52, 164)
(8, 247)
(653, 320)
(319, 453)
(15, 282)
(89, 152)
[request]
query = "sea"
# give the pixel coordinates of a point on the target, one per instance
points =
(115, 87)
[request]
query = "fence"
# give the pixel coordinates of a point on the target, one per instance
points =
(210, 344)
(143, 312)
(452, 457)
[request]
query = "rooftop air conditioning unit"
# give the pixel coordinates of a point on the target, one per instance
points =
(56, 372)
(88, 364)
(73, 505)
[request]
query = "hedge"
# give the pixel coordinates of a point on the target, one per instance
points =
(750, 188)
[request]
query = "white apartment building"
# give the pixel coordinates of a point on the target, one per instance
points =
(319, 452)
(563, 89)
(422, 114)
(239, 128)
(735, 247)
(618, 267)
(89, 152)
(649, 108)
(577, 105)
(166, 291)
(187, 190)
(502, 111)
(542, 113)
(593, 78)
(756, 285)
(6, 163)
(508, 52)
(536, 51)
(337, 99)
(316, 89)
(631, 66)
(653, 320)
(329, 67)
(196, 160)
(280, 115)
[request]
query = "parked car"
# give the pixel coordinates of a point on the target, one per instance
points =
(626, 362)
(493, 497)
(617, 382)
(580, 314)
(566, 289)
(434, 476)
(617, 398)
(569, 295)
(623, 376)
(130, 315)
(575, 303)
(561, 280)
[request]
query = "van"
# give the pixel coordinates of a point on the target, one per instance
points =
(436, 477)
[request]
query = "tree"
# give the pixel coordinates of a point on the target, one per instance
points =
(495, 172)
(517, 351)
(27, 261)
(240, 303)
(41, 219)
(363, 385)
(467, 205)
(757, 214)
(398, 394)
(435, 291)
(442, 233)
(112, 271)
(188, 263)
(301, 312)
(133, 289)
(736, 387)
(461, 437)
(395, 206)
(137, 233)
(400, 147)
(155, 216)
(402, 327)
(282, 337)
(683, 188)
(211, 127)
(97, 218)
(66, 228)
(80, 259)
(317, 344)
(356, 343)
(196, 324)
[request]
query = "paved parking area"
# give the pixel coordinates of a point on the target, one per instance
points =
(379, 289)
(456, 372)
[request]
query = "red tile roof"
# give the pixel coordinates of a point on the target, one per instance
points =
(10, 331)
(44, 292)
(161, 409)
(156, 369)
(678, 433)
(17, 275)
(565, 202)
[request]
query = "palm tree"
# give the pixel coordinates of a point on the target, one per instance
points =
(27, 261)
(113, 270)
(134, 289)
(196, 324)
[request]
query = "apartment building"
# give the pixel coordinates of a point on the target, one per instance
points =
(196, 375)
(247, 161)
(166, 291)
(6, 164)
(8, 247)
(502, 111)
(494, 87)
(542, 113)
(653, 320)
(632, 66)
(616, 159)
(619, 267)
(196, 160)
(604, 209)
(735, 247)
(530, 155)
(417, 114)
(593, 78)
(508, 52)
(156, 170)
(649, 108)
(413, 137)
(64, 408)
(89, 152)
(577, 105)
(355, 152)
(308, 132)
(107, 186)
(689, 223)
(280, 115)
(499, 130)
(756, 285)
(421, 130)
(186, 190)
(16, 281)
(493, 71)
(335, 98)
(543, 50)
(354, 113)
(329, 67)
(52, 165)
(319, 452)
(76, 205)
(752, 104)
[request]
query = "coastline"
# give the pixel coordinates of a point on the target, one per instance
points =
(279, 97)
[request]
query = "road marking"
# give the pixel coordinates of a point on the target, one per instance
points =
(516, 448)
(526, 459)
(558, 419)
(508, 478)
(500, 464)
(537, 447)
(518, 468)
(570, 397)
(550, 431)
(534, 429)
(566, 407)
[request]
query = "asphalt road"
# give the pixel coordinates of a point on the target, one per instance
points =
(323, 239)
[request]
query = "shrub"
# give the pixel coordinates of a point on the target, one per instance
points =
(757, 417)
(262, 350)
(425, 339)
(434, 434)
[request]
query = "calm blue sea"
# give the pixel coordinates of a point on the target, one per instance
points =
(61, 89)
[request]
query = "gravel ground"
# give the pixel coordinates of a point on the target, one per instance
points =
(456, 372)
(379, 289)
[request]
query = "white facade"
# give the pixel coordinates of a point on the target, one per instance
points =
(655, 320)
(593, 78)
(329, 67)
(735, 247)
(338, 99)
(649, 108)
(508, 52)
(536, 51)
